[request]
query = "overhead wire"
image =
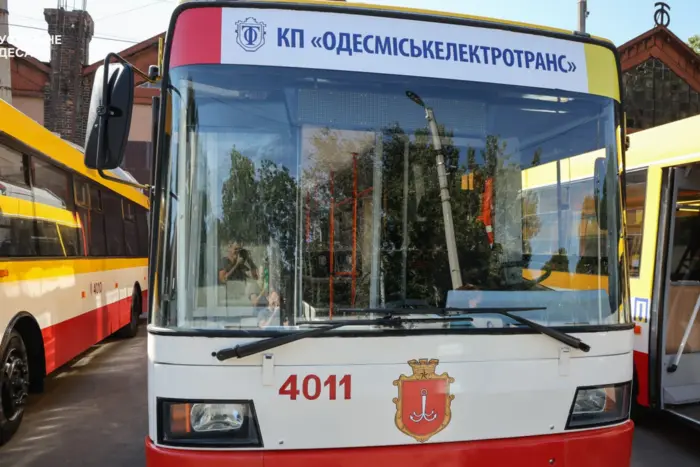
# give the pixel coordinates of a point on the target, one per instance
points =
(104, 38)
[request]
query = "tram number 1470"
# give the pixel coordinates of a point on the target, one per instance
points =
(312, 388)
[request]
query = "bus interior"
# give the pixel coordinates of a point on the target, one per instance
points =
(680, 323)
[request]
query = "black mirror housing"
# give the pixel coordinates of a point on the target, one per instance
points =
(109, 117)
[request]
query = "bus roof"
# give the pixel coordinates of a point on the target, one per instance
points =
(417, 11)
(30, 133)
(670, 144)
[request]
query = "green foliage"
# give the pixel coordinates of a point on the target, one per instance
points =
(262, 204)
(694, 43)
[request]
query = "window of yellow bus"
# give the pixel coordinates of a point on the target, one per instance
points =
(636, 194)
(114, 224)
(16, 231)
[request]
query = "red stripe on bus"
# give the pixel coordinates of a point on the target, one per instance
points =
(641, 364)
(68, 339)
(197, 37)
(603, 447)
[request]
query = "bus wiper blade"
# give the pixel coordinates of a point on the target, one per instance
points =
(245, 350)
(428, 310)
(551, 332)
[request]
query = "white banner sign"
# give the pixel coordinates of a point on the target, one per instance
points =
(354, 42)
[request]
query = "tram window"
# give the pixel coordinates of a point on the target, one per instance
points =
(142, 225)
(636, 193)
(131, 235)
(114, 223)
(47, 239)
(82, 193)
(51, 185)
(52, 192)
(97, 242)
(84, 217)
(16, 233)
(12, 170)
(72, 242)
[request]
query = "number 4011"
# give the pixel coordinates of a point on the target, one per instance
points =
(311, 387)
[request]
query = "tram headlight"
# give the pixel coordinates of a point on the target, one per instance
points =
(600, 405)
(208, 423)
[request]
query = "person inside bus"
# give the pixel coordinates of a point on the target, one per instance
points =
(272, 312)
(238, 275)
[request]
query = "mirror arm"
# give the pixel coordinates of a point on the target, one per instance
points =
(142, 74)
(119, 180)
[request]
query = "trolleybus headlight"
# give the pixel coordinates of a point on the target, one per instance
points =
(210, 423)
(601, 405)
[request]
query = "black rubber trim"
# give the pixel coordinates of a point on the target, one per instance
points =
(230, 333)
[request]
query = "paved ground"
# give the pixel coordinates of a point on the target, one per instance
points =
(94, 414)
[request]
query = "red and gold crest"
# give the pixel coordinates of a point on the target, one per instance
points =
(423, 405)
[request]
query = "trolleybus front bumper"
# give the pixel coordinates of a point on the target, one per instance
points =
(603, 447)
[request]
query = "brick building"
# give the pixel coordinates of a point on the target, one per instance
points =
(661, 75)
(57, 93)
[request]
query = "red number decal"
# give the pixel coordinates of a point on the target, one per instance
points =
(312, 388)
(317, 387)
(289, 388)
(345, 382)
(330, 384)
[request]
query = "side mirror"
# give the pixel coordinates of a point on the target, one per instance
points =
(109, 117)
(600, 192)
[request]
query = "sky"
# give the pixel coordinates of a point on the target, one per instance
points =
(123, 23)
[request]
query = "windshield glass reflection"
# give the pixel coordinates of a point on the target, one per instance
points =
(306, 194)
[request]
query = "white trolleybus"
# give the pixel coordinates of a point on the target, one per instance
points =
(346, 265)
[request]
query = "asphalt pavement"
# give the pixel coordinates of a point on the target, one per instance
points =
(94, 413)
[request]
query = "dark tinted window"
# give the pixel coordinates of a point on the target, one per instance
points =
(12, 168)
(114, 223)
(16, 231)
(47, 238)
(142, 224)
(636, 194)
(52, 184)
(131, 234)
(54, 202)
(84, 217)
(72, 240)
(98, 244)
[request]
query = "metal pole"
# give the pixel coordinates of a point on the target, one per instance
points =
(582, 14)
(455, 270)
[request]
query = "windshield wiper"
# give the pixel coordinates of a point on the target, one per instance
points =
(391, 319)
(563, 337)
(505, 311)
